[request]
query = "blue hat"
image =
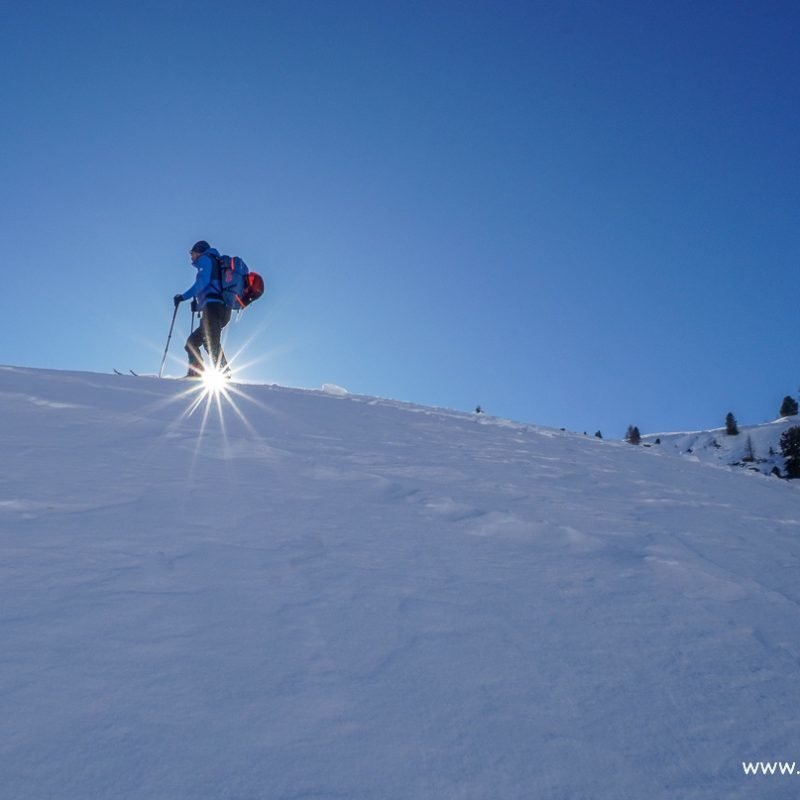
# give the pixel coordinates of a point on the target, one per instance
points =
(201, 246)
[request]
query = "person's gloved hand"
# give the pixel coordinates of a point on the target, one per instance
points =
(178, 299)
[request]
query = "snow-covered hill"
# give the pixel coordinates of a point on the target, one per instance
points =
(326, 596)
(755, 448)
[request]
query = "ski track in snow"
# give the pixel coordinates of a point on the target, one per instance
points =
(360, 598)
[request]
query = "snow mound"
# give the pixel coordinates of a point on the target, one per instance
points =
(332, 388)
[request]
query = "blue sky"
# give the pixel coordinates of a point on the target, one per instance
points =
(576, 214)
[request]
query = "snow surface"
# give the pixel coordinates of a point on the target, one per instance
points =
(343, 597)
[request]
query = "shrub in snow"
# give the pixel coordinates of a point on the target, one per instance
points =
(788, 407)
(731, 428)
(790, 448)
(633, 436)
(598, 434)
(749, 454)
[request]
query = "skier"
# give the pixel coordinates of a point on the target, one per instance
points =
(214, 313)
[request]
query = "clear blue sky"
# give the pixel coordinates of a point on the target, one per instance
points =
(577, 214)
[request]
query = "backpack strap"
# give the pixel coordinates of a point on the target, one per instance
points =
(216, 275)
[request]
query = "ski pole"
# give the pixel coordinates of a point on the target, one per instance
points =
(161, 368)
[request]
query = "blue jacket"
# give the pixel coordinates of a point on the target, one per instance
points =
(204, 289)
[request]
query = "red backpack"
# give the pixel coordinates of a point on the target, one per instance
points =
(253, 288)
(239, 287)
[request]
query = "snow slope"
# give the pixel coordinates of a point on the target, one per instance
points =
(756, 448)
(341, 597)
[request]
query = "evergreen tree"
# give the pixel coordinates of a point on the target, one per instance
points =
(789, 407)
(598, 434)
(731, 428)
(632, 435)
(790, 448)
(749, 453)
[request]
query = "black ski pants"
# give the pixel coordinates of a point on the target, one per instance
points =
(213, 318)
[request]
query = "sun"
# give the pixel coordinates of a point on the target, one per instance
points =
(215, 382)
(218, 388)
(217, 396)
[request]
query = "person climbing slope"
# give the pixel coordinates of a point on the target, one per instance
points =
(208, 299)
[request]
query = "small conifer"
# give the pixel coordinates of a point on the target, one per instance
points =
(790, 448)
(632, 436)
(788, 407)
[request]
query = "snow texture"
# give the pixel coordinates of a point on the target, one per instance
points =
(342, 597)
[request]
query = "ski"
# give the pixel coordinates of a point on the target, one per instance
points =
(139, 375)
